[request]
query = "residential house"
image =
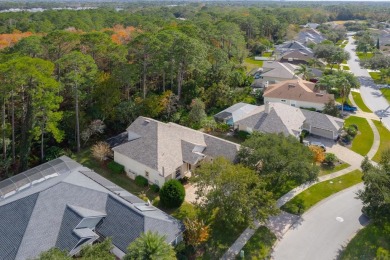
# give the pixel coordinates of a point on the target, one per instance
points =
(236, 112)
(311, 25)
(288, 120)
(297, 93)
(162, 151)
(65, 205)
(310, 35)
(296, 57)
(292, 46)
(273, 72)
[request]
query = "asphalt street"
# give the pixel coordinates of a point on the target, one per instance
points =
(323, 230)
(369, 91)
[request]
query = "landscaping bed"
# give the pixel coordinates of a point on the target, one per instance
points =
(328, 169)
(308, 198)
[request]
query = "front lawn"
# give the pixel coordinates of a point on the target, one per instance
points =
(345, 67)
(359, 102)
(267, 54)
(385, 140)
(85, 158)
(367, 242)
(386, 93)
(364, 139)
(363, 56)
(376, 76)
(259, 245)
(308, 198)
(324, 170)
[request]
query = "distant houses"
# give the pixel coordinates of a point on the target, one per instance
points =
(65, 205)
(163, 151)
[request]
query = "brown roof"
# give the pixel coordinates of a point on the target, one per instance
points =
(300, 90)
(296, 55)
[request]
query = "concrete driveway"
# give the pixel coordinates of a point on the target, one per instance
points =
(369, 91)
(324, 229)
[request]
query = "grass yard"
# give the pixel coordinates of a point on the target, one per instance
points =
(367, 242)
(324, 170)
(267, 54)
(345, 67)
(85, 158)
(363, 56)
(359, 102)
(259, 245)
(385, 140)
(251, 64)
(363, 141)
(376, 76)
(386, 93)
(308, 198)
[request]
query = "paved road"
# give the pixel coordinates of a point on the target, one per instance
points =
(371, 95)
(323, 229)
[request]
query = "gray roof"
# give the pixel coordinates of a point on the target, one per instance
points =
(310, 35)
(160, 145)
(291, 46)
(289, 120)
(237, 112)
(46, 214)
(277, 69)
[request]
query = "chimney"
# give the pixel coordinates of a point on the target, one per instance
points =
(266, 107)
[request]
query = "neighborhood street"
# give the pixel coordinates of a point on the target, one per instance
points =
(324, 229)
(369, 91)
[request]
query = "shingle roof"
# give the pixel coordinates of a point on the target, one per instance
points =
(310, 35)
(277, 69)
(46, 214)
(237, 112)
(299, 90)
(293, 45)
(297, 55)
(160, 146)
(288, 120)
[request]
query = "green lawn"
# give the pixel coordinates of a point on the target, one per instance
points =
(385, 140)
(345, 67)
(85, 158)
(386, 93)
(376, 76)
(363, 141)
(324, 170)
(267, 54)
(359, 102)
(320, 191)
(250, 63)
(259, 245)
(367, 241)
(363, 56)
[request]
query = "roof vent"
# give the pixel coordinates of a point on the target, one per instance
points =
(291, 85)
(319, 94)
(146, 122)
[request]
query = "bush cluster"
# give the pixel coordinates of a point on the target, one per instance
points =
(155, 188)
(141, 181)
(172, 194)
(116, 167)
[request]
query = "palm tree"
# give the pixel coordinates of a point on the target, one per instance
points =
(315, 63)
(150, 245)
(303, 70)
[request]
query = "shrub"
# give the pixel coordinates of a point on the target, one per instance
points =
(101, 151)
(304, 133)
(116, 167)
(155, 188)
(351, 131)
(330, 158)
(243, 134)
(184, 180)
(141, 181)
(354, 126)
(172, 194)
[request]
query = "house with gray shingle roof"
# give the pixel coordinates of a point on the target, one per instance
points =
(282, 118)
(65, 205)
(235, 113)
(162, 151)
(297, 93)
(274, 72)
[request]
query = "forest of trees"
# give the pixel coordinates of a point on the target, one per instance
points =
(67, 76)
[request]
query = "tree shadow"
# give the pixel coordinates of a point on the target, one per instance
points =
(281, 223)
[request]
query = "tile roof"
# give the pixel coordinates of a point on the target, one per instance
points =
(160, 146)
(46, 214)
(299, 90)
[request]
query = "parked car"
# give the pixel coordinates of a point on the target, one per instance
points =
(319, 144)
(347, 107)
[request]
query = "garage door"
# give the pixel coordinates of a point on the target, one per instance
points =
(322, 132)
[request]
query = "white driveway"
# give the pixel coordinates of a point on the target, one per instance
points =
(324, 229)
(369, 91)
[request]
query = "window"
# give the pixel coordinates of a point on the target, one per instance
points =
(283, 100)
(146, 174)
(178, 172)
